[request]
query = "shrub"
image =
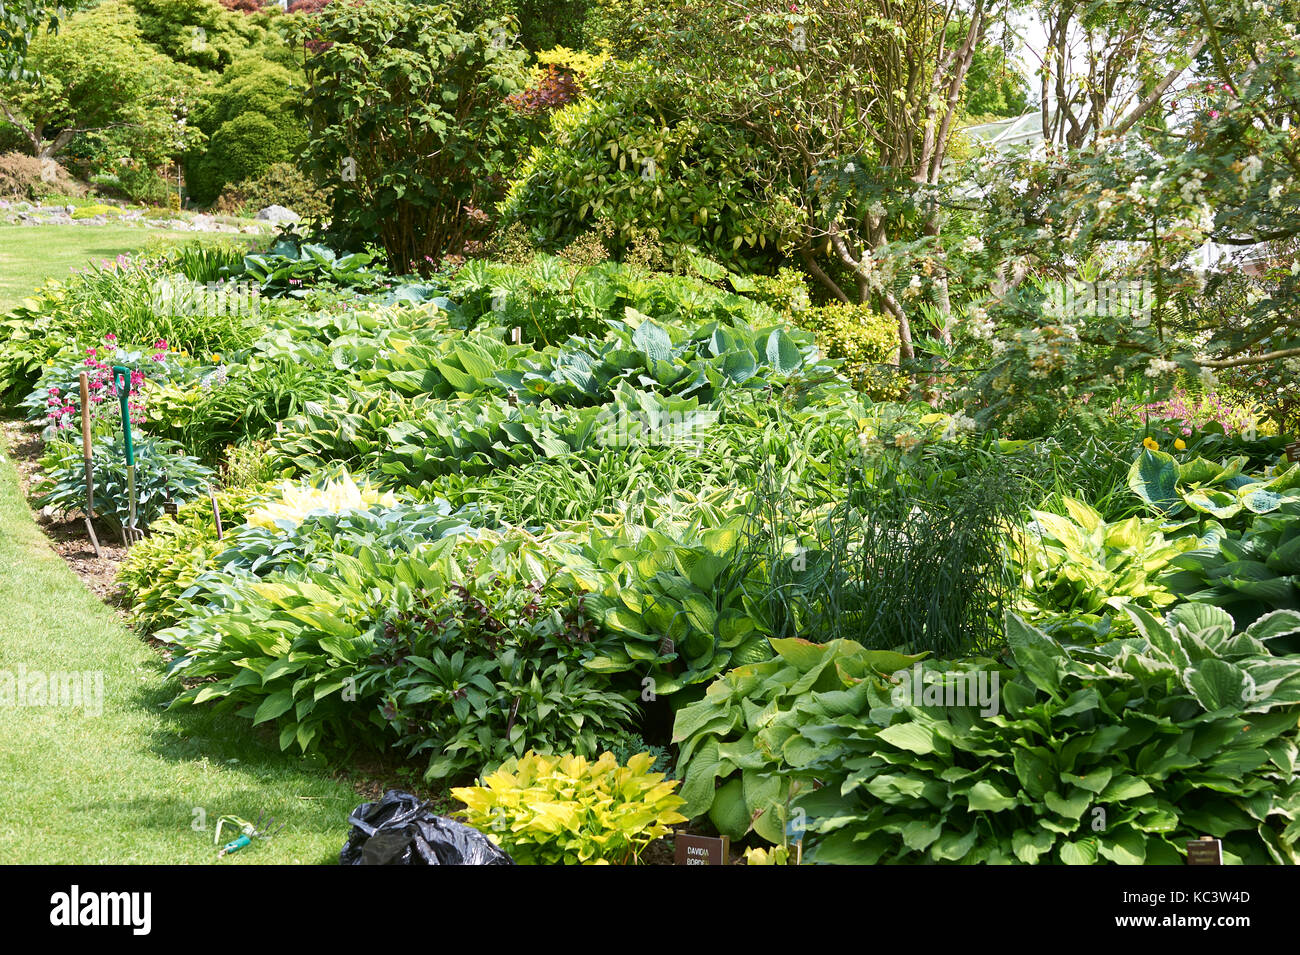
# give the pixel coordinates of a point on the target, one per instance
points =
(566, 810)
(629, 154)
(253, 121)
(280, 184)
(26, 177)
(422, 70)
(241, 148)
(866, 341)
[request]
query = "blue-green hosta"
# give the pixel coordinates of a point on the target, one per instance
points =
(1203, 487)
(1248, 572)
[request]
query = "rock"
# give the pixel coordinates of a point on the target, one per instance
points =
(277, 214)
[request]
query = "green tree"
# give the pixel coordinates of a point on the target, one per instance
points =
(20, 22)
(1210, 159)
(99, 85)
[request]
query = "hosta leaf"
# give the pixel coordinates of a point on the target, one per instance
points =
(1153, 477)
(1217, 685)
(1082, 852)
(277, 704)
(783, 353)
(1221, 504)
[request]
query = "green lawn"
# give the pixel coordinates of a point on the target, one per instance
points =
(123, 786)
(30, 254)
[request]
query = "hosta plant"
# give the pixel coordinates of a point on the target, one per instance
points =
(1247, 573)
(734, 740)
(1120, 753)
(556, 810)
(1203, 487)
(162, 473)
(1079, 564)
(333, 495)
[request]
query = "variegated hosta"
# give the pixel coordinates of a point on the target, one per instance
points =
(1079, 564)
(298, 500)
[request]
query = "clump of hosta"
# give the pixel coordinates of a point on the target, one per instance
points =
(336, 495)
(547, 810)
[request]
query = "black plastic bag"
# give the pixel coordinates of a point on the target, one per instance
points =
(400, 830)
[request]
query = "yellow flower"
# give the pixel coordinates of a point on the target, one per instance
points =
(216, 356)
(1150, 444)
(1180, 445)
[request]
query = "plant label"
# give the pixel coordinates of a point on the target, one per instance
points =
(1293, 452)
(701, 850)
(1205, 851)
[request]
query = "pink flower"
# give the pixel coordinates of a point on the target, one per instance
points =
(1214, 114)
(90, 351)
(110, 337)
(160, 344)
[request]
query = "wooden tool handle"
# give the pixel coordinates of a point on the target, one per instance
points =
(85, 413)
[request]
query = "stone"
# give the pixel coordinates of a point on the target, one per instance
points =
(277, 214)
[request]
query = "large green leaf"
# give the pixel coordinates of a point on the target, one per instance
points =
(783, 353)
(1154, 478)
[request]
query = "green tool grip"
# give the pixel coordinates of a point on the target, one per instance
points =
(122, 382)
(237, 844)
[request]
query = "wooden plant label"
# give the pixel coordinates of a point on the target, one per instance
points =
(1205, 851)
(701, 850)
(1293, 452)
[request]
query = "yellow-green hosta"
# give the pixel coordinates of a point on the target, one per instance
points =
(545, 810)
(337, 495)
(1081, 564)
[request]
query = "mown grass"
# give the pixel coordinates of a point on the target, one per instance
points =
(31, 254)
(125, 786)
